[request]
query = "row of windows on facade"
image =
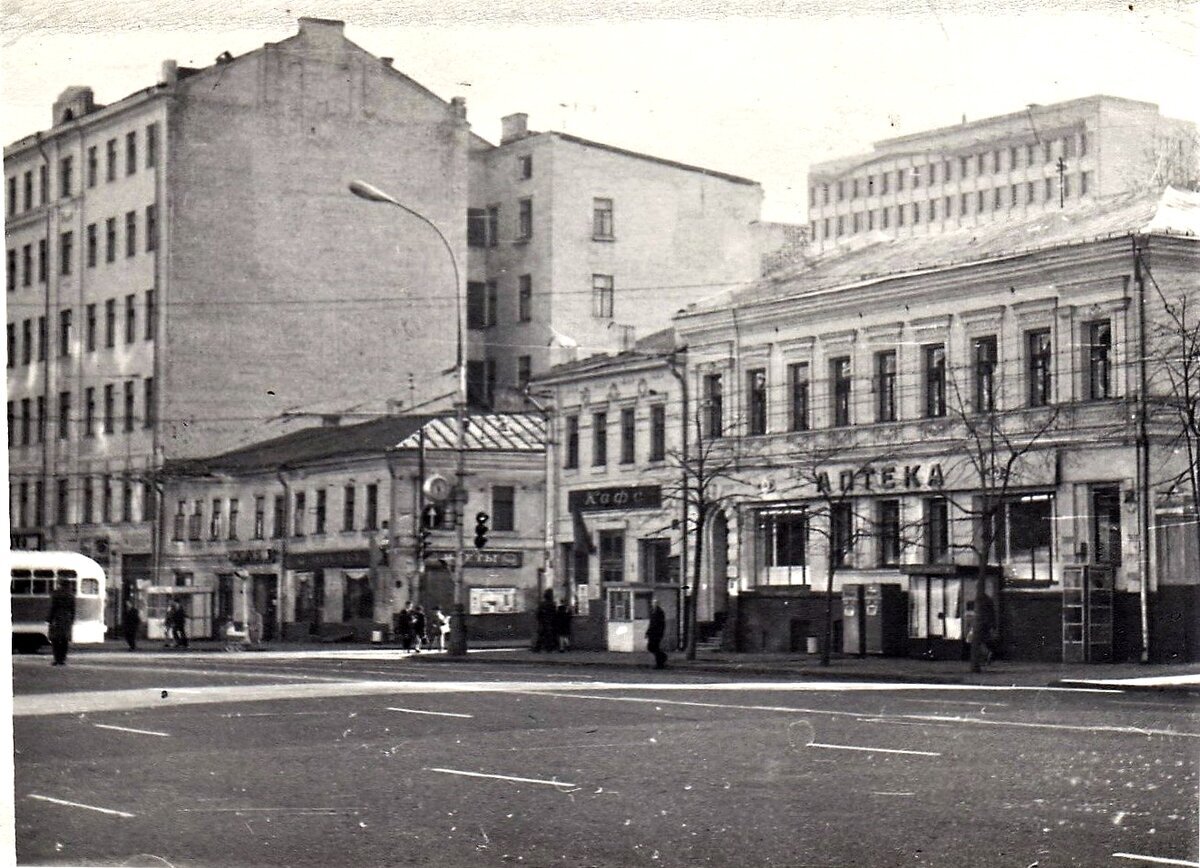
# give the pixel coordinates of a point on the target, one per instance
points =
(66, 248)
(483, 224)
(224, 514)
(483, 300)
(29, 426)
(24, 348)
(66, 170)
(1030, 154)
(935, 401)
(628, 435)
(94, 492)
(655, 563)
(898, 215)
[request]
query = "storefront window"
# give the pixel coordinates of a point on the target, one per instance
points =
(494, 601)
(612, 556)
(783, 539)
(1024, 538)
(358, 599)
(888, 525)
(655, 560)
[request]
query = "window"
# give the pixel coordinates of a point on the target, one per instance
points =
(64, 415)
(11, 428)
(110, 157)
(658, 432)
(1049, 193)
(234, 507)
(1037, 366)
(655, 560)
(916, 176)
(964, 205)
(28, 185)
(916, 213)
(149, 501)
(627, 436)
(524, 371)
(599, 439)
(476, 304)
(319, 514)
(785, 540)
(41, 418)
(983, 353)
(840, 530)
(841, 226)
(129, 405)
(151, 146)
(839, 375)
(280, 518)
(348, 495)
(932, 210)
(25, 421)
(92, 164)
(571, 452)
(371, 520)
(130, 233)
(492, 304)
(602, 219)
(1013, 196)
(151, 228)
(87, 501)
(900, 215)
(476, 227)
(841, 190)
(214, 520)
(1014, 157)
(92, 245)
(260, 516)
(493, 225)
(525, 298)
(12, 270)
(299, 508)
(62, 497)
(504, 510)
(1083, 183)
(714, 405)
(980, 164)
(151, 314)
(1024, 537)
(65, 179)
(756, 399)
(179, 518)
(110, 239)
(149, 408)
(110, 323)
(888, 533)
(854, 188)
(980, 201)
(1106, 524)
(937, 530)
(1030, 154)
(935, 380)
(1099, 349)
(195, 519)
(42, 339)
(109, 407)
(64, 333)
(885, 386)
(612, 556)
(27, 265)
(525, 167)
(964, 167)
(66, 251)
(130, 152)
(1030, 193)
(481, 382)
(602, 295)
(524, 219)
(12, 344)
(26, 341)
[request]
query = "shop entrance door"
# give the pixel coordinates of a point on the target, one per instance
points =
(266, 603)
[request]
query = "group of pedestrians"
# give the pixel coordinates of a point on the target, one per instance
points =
(416, 629)
(553, 624)
(175, 625)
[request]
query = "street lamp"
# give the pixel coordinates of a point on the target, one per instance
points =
(458, 631)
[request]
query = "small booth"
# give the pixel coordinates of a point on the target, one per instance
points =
(941, 605)
(197, 604)
(628, 615)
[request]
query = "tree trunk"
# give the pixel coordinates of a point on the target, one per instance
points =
(826, 645)
(690, 646)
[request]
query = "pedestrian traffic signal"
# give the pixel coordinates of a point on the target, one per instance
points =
(433, 516)
(481, 529)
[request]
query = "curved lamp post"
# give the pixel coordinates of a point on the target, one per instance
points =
(458, 632)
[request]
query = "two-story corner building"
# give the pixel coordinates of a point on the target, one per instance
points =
(616, 477)
(883, 401)
(187, 262)
(315, 530)
(999, 169)
(575, 243)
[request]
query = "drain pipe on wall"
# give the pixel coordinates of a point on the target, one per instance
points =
(1143, 454)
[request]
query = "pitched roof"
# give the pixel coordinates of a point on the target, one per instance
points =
(874, 256)
(588, 143)
(484, 432)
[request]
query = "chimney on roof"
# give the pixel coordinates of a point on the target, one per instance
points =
(458, 105)
(322, 28)
(170, 72)
(72, 103)
(513, 127)
(387, 61)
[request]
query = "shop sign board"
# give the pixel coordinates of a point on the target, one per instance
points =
(510, 559)
(615, 497)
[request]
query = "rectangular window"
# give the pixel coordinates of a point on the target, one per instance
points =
(110, 157)
(476, 304)
(602, 296)
(599, 439)
(658, 432)
(1037, 366)
(11, 279)
(149, 409)
(234, 507)
(130, 318)
(371, 519)
(937, 530)
(785, 539)
(602, 219)
(214, 520)
(64, 333)
(129, 405)
(151, 146)
(195, 519)
(935, 380)
(92, 245)
(299, 510)
(41, 418)
(260, 517)
(1049, 194)
(130, 152)
(1014, 157)
(916, 177)
(1030, 193)
(983, 353)
(349, 493)
(504, 508)
(110, 239)
(612, 556)
(26, 421)
(493, 225)
(627, 436)
(1099, 350)
(109, 408)
(87, 501)
(130, 233)
(279, 527)
(1106, 524)
(26, 265)
(26, 341)
(151, 314)
(1013, 196)
(106, 499)
(149, 501)
(66, 251)
(110, 323)
(92, 165)
(756, 400)
(839, 376)
(64, 415)
(151, 228)
(525, 167)
(900, 215)
(571, 438)
(1083, 183)
(885, 386)
(655, 560)
(476, 227)
(714, 405)
(524, 371)
(840, 533)
(62, 500)
(964, 205)
(884, 180)
(524, 219)
(319, 514)
(65, 179)
(932, 210)
(1066, 186)
(980, 201)
(888, 533)
(492, 304)
(525, 298)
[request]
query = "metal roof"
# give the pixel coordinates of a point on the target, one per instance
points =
(484, 432)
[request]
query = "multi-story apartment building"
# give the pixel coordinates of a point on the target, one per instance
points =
(1004, 168)
(574, 243)
(316, 530)
(884, 404)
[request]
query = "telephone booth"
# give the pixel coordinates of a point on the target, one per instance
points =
(628, 616)
(941, 607)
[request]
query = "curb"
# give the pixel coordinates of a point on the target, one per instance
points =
(1083, 684)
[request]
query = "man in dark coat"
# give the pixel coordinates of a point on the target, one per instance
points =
(562, 626)
(179, 626)
(404, 625)
(60, 620)
(654, 635)
(546, 639)
(130, 624)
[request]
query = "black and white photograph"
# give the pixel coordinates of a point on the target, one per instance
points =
(631, 435)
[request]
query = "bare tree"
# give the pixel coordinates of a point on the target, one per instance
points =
(1172, 158)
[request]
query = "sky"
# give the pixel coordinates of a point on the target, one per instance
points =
(758, 89)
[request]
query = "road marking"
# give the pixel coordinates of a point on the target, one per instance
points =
(502, 777)
(437, 713)
(952, 702)
(81, 805)
(1160, 860)
(872, 749)
(893, 794)
(1123, 730)
(130, 729)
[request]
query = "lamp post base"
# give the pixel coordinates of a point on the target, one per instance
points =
(458, 632)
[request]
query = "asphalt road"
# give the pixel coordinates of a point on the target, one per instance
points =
(291, 760)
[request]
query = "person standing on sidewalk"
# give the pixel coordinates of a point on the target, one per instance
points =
(418, 627)
(178, 619)
(562, 626)
(130, 624)
(60, 620)
(404, 626)
(546, 611)
(654, 635)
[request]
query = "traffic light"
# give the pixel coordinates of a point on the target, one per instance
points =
(422, 543)
(481, 529)
(432, 518)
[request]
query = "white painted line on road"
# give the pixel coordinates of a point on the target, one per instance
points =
(952, 702)
(436, 713)
(873, 749)
(1158, 860)
(893, 794)
(130, 729)
(81, 805)
(502, 777)
(1123, 730)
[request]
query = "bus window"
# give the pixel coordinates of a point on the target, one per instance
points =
(40, 587)
(67, 574)
(43, 574)
(21, 586)
(21, 574)
(91, 587)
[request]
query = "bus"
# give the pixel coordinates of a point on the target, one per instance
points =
(31, 579)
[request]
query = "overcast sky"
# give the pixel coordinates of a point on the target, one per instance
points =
(759, 89)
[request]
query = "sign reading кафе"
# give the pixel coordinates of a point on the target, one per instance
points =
(615, 497)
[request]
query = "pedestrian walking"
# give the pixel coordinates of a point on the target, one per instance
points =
(545, 639)
(654, 635)
(60, 620)
(179, 626)
(168, 625)
(130, 623)
(418, 628)
(404, 626)
(562, 626)
(442, 622)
